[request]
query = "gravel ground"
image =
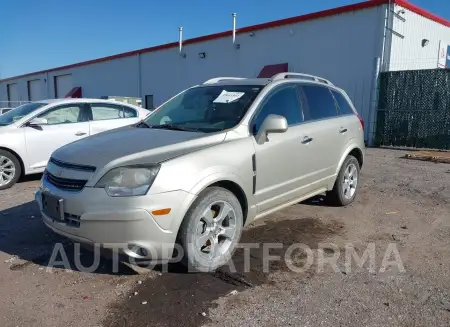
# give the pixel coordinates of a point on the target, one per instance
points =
(403, 206)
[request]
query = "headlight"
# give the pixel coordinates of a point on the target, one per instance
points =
(128, 181)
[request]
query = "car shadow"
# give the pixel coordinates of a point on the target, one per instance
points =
(318, 201)
(29, 178)
(26, 239)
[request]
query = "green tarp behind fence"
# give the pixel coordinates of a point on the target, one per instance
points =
(414, 109)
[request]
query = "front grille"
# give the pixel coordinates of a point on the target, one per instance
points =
(72, 166)
(65, 183)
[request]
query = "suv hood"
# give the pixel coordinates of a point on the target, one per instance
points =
(131, 145)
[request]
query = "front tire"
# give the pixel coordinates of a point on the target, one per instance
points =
(346, 185)
(211, 229)
(10, 169)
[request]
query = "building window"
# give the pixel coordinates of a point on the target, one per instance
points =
(149, 102)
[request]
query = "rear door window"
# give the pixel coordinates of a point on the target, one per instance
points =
(106, 111)
(129, 112)
(318, 102)
(344, 106)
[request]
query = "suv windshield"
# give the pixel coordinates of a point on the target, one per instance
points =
(19, 112)
(205, 108)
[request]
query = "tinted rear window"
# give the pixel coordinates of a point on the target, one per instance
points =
(319, 101)
(344, 106)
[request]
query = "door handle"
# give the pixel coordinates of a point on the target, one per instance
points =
(80, 133)
(307, 140)
(342, 130)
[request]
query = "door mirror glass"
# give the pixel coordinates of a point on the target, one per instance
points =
(272, 124)
(37, 122)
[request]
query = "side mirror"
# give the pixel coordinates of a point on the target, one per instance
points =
(272, 124)
(37, 122)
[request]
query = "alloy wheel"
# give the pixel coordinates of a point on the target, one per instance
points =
(7, 170)
(216, 230)
(350, 181)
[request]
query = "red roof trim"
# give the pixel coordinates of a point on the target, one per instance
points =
(277, 23)
(423, 12)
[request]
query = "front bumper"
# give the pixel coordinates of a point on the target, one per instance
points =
(124, 224)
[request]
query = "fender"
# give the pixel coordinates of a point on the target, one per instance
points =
(349, 149)
(217, 177)
(228, 177)
(13, 140)
(22, 157)
(206, 182)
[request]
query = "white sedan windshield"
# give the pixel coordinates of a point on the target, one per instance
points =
(19, 112)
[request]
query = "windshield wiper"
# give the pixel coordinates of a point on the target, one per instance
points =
(143, 123)
(174, 128)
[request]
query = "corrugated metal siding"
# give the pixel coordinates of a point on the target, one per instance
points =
(117, 77)
(341, 48)
(408, 53)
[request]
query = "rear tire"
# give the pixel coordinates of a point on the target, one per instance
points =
(10, 169)
(346, 184)
(211, 229)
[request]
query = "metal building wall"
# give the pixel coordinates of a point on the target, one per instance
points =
(341, 48)
(408, 53)
(115, 77)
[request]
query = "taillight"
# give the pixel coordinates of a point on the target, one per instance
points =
(361, 121)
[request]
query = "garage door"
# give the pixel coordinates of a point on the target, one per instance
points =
(13, 95)
(34, 90)
(63, 85)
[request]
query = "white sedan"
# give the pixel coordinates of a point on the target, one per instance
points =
(31, 132)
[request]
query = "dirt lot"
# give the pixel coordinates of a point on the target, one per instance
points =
(403, 205)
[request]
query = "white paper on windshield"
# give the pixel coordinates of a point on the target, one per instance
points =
(227, 97)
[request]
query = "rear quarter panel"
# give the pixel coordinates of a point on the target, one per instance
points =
(355, 140)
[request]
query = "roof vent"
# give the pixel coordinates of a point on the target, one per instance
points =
(180, 42)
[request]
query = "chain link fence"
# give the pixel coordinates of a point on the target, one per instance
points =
(414, 109)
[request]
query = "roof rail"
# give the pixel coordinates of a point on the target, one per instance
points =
(300, 76)
(218, 79)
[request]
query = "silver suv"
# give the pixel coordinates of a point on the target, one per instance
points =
(203, 165)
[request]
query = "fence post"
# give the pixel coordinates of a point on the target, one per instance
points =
(371, 124)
